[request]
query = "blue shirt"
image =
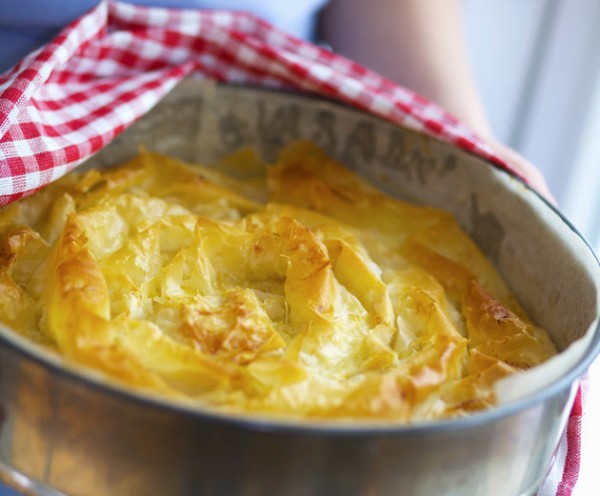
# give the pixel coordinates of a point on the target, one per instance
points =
(27, 25)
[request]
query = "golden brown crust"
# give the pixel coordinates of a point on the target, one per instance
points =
(329, 300)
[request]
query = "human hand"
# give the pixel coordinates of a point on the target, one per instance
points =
(523, 167)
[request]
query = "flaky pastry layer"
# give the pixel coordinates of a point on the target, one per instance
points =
(294, 290)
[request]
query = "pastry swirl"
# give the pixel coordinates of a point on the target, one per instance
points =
(294, 290)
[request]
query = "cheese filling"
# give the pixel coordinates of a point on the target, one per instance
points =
(294, 290)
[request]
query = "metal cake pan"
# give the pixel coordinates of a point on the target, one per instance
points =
(64, 429)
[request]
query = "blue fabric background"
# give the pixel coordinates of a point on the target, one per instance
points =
(26, 25)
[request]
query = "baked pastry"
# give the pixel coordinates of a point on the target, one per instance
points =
(293, 290)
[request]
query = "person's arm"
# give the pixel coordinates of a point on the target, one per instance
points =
(416, 43)
(419, 44)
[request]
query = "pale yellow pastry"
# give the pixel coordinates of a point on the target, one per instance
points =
(295, 290)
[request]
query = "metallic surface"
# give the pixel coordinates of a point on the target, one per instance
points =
(77, 434)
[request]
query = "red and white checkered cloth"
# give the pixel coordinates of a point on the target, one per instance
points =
(67, 100)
